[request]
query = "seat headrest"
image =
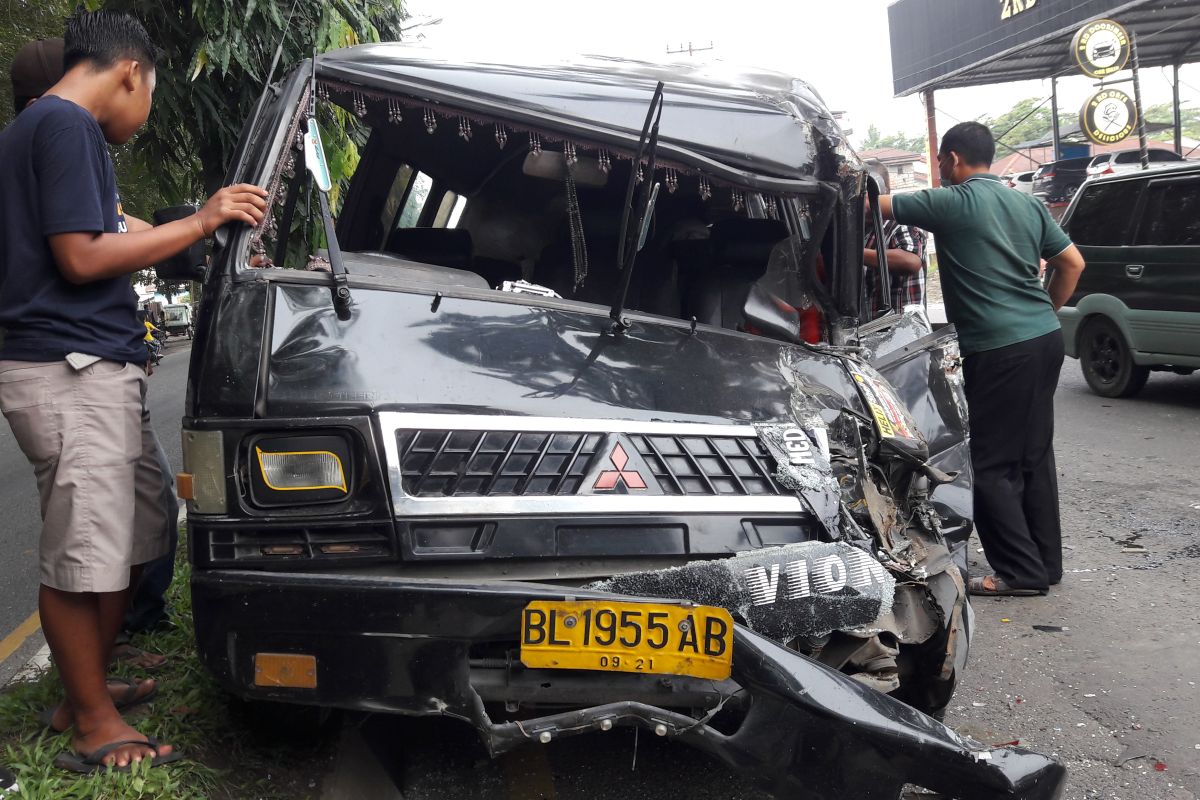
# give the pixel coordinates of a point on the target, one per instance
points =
(746, 241)
(447, 247)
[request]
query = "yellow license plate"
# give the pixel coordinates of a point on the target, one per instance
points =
(628, 637)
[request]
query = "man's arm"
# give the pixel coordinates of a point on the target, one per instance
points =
(83, 257)
(1067, 266)
(901, 262)
(136, 225)
(885, 208)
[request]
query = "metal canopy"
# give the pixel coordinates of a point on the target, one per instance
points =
(942, 44)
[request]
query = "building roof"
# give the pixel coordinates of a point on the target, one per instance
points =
(749, 123)
(891, 154)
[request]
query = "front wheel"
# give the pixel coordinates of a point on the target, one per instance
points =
(1107, 361)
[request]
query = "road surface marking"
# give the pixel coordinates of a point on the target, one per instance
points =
(11, 643)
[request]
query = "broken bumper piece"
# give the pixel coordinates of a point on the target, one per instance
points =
(811, 732)
(796, 727)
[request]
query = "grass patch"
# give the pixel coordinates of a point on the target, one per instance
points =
(224, 759)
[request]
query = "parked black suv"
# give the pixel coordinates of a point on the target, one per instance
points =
(1136, 308)
(561, 412)
(1058, 181)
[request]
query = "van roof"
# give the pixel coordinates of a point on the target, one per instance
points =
(753, 121)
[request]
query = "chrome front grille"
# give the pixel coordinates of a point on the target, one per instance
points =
(708, 465)
(485, 465)
(480, 463)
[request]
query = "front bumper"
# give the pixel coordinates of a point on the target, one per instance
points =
(405, 646)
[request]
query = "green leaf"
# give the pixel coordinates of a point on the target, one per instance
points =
(199, 62)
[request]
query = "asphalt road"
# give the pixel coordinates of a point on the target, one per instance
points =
(19, 507)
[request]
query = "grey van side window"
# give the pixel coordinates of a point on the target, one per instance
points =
(1172, 214)
(1103, 214)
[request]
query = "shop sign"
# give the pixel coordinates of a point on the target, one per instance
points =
(1101, 48)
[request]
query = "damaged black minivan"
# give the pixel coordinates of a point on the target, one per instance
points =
(566, 404)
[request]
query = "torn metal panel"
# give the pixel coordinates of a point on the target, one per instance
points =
(802, 465)
(806, 589)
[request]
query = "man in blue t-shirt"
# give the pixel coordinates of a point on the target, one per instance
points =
(990, 243)
(72, 361)
(37, 67)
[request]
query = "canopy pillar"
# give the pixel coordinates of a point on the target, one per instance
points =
(932, 137)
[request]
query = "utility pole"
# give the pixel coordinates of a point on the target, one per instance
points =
(935, 179)
(689, 49)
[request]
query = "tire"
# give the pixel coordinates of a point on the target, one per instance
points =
(1107, 361)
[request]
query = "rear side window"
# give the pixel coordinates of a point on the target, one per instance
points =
(1164, 155)
(1172, 214)
(1102, 215)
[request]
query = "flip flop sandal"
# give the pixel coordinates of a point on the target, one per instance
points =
(134, 656)
(128, 699)
(979, 588)
(94, 761)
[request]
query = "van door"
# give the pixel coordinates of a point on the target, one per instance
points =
(1101, 226)
(1162, 272)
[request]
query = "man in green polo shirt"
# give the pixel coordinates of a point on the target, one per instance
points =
(990, 244)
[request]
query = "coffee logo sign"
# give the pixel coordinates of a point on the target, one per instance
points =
(1101, 48)
(1108, 116)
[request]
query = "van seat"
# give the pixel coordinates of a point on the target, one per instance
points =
(715, 292)
(445, 247)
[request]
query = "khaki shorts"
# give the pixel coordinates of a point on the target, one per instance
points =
(87, 434)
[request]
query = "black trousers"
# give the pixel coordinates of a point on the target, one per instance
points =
(1010, 395)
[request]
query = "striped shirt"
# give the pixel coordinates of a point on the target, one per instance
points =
(906, 290)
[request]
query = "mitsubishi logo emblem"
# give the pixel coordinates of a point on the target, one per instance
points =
(612, 478)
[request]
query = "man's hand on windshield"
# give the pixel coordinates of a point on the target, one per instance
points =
(242, 202)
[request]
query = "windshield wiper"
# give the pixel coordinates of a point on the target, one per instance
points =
(632, 240)
(318, 167)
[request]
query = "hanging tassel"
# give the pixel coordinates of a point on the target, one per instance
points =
(395, 116)
(535, 143)
(360, 105)
(772, 208)
(464, 129)
(605, 161)
(737, 199)
(569, 153)
(672, 180)
(705, 189)
(430, 121)
(501, 135)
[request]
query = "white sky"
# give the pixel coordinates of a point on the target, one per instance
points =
(806, 38)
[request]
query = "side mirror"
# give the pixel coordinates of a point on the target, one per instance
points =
(188, 265)
(770, 316)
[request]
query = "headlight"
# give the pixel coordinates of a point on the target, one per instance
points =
(293, 470)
